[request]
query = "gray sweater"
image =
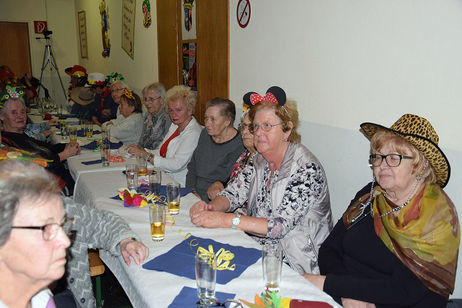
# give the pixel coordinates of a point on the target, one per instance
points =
(212, 162)
(95, 229)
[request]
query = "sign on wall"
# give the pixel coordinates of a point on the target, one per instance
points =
(128, 27)
(40, 26)
(83, 34)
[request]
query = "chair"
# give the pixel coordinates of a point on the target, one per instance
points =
(96, 270)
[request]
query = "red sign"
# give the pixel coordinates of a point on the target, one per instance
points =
(40, 26)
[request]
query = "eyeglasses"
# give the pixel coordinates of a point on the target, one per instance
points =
(150, 99)
(49, 231)
(393, 160)
(228, 303)
(266, 127)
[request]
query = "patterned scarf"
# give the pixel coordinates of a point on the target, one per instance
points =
(425, 236)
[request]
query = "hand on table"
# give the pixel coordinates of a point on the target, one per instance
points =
(201, 215)
(353, 303)
(131, 248)
(133, 149)
(71, 149)
(214, 189)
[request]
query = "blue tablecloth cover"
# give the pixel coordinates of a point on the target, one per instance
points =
(188, 298)
(180, 259)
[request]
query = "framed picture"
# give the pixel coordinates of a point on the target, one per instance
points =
(128, 27)
(83, 34)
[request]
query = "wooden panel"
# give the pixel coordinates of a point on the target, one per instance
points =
(212, 52)
(15, 51)
(167, 41)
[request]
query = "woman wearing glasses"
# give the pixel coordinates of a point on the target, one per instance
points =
(398, 241)
(33, 238)
(156, 121)
(281, 196)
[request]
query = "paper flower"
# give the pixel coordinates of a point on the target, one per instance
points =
(131, 198)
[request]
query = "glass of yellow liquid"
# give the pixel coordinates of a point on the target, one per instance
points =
(157, 215)
(89, 129)
(173, 198)
(72, 134)
(141, 162)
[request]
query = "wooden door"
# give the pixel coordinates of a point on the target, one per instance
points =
(212, 52)
(15, 51)
(167, 42)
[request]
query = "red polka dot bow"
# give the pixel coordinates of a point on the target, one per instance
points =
(274, 95)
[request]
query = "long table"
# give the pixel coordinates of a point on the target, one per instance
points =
(149, 288)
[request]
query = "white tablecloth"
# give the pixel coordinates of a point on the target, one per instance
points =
(148, 288)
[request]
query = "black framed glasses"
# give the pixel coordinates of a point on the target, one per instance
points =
(392, 160)
(49, 231)
(266, 127)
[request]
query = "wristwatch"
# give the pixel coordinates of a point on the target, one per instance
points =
(236, 221)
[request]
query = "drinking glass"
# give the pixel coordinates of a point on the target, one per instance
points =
(173, 198)
(72, 134)
(89, 129)
(206, 276)
(131, 172)
(272, 265)
(141, 162)
(105, 154)
(157, 213)
(155, 181)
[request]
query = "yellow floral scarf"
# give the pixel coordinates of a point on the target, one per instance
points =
(425, 236)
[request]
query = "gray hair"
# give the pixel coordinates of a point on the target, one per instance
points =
(156, 86)
(19, 180)
(123, 84)
(2, 109)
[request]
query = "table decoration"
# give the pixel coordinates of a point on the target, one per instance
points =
(270, 299)
(180, 259)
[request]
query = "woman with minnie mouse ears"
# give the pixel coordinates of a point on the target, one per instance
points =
(281, 196)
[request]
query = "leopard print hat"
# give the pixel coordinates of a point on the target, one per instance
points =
(420, 133)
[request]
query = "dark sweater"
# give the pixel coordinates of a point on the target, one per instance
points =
(212, 162)
(43, 149)
(358, 265)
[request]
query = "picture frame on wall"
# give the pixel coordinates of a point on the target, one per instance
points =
(128, 27)
(83, 35)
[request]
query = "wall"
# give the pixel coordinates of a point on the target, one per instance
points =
(57, 13)
(348, 62)
(138, 72)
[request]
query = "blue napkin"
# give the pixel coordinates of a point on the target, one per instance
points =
(180, 259)
(94, 144)
(188, 298)
(163, 191)
(92, 162)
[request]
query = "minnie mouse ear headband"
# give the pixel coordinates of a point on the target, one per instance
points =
(274, 95)
(115, 77)
(96, 79)
(11, 92)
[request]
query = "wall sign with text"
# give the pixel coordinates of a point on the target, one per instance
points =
(128, 27)
(83, 34)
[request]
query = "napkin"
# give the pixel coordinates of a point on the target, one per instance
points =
(163, 191)
(94, 144)
(188, 298)
(180, 259)
(92, 162)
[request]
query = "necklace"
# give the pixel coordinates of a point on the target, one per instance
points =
(396, 209)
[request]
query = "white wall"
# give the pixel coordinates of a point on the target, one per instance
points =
(348, 62)
(60, 17)
(140, 71)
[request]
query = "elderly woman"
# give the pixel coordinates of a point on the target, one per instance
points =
(13, 115)
(219, 146)
(282, 191)
(244, 158)
(176, 149)
(156, 121)
(397, 243)
(33, 238)
(127, 128)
